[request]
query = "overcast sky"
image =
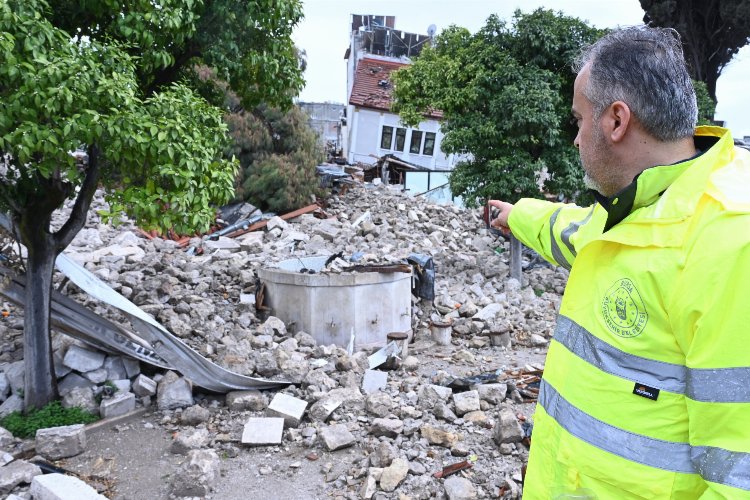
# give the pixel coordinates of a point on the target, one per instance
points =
(324, 34)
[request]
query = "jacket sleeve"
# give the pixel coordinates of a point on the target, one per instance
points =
(711, 319)
(551, 229)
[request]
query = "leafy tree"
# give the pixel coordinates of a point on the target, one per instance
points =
(281, 175)
(706, 105)
(247, 42)
(712, 32)
(505, 93)
(160, 156)
(278, 153)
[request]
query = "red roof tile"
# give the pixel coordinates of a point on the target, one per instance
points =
(373, 87)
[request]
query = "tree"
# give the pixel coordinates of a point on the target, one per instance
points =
(278, 153)
(712, 32)
(159, 156)
(505, 94)
(247, 42)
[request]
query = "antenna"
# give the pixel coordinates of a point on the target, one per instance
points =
(431, 30)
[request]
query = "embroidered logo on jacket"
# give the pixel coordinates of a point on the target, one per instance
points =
(623, 309)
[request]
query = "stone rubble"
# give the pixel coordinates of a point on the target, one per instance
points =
(405, 424)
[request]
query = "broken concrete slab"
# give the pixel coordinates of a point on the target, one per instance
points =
(507, 428)
(62, 487)
(119, 404)
(174, 392)
(287, 407)
(144, 386)
(15, 473)
(336, 437)
(374, 380)
(263, 431)
(61, 442)
(190, 439)
(252, 400)
(83, 360)
(465, 402)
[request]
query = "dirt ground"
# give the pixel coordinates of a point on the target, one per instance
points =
(131, 460)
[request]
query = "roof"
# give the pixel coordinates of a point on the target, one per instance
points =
(373, 87)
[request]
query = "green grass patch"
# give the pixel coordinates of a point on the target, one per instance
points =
(52, 415)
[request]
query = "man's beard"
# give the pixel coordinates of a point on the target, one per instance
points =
(590, 183)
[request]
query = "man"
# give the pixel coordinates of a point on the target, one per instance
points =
(646, 390)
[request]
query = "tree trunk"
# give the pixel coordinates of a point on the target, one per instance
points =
(40, 386)
(43, 246)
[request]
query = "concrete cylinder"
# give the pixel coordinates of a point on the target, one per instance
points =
(333, 307)
(441, 331)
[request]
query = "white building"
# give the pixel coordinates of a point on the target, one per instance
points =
(372, 131)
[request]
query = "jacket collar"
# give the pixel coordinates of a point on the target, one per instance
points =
(648, 187)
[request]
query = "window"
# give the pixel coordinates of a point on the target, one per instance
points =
(429, 143)
(416, 141)
(400, 139)
(387, 137)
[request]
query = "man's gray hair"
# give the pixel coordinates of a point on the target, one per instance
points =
(645, 68)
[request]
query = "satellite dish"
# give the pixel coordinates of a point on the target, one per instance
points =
(431, 30)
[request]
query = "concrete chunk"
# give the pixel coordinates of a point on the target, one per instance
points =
(492, 393)
(144, 386)
(336, 437)
(13, 403)
(263, 431)
(119, 404)
(287, 407)
(83, 360)
(374, 380)
(466, 402)
(61, 442)
(62, 487)
(507, 429)
(252, 400)
(174, 392)
(15, 473)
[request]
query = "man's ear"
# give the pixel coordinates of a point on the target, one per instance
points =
(617, 121)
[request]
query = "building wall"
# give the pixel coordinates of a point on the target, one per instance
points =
(365, 133)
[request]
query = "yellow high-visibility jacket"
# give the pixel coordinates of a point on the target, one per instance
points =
(646, 388)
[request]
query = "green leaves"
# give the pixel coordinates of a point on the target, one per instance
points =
(69, 94)
(505, 94)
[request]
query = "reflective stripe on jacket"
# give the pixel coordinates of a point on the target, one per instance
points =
(646, 390)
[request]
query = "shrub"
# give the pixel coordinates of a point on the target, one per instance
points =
(52, 415)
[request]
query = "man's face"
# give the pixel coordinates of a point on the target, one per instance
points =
(595, 153)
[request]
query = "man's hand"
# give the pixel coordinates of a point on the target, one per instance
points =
(501, 219)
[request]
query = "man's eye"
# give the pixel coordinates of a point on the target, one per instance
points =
(574, 121)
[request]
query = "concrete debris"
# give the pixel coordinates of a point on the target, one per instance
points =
(253, 400)
(83, 360)
(15, 473)
(287, 407)
(263, 431)
(62, 487)
(336, 437)
(507, 429)
(374, 380)
(459, 488)
(198, 475)
(6, 439)
(390, 429)
(119, 404)
(191, 439)
(174, 392)
(66, 441)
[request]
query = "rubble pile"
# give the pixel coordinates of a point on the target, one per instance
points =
(464, 403)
